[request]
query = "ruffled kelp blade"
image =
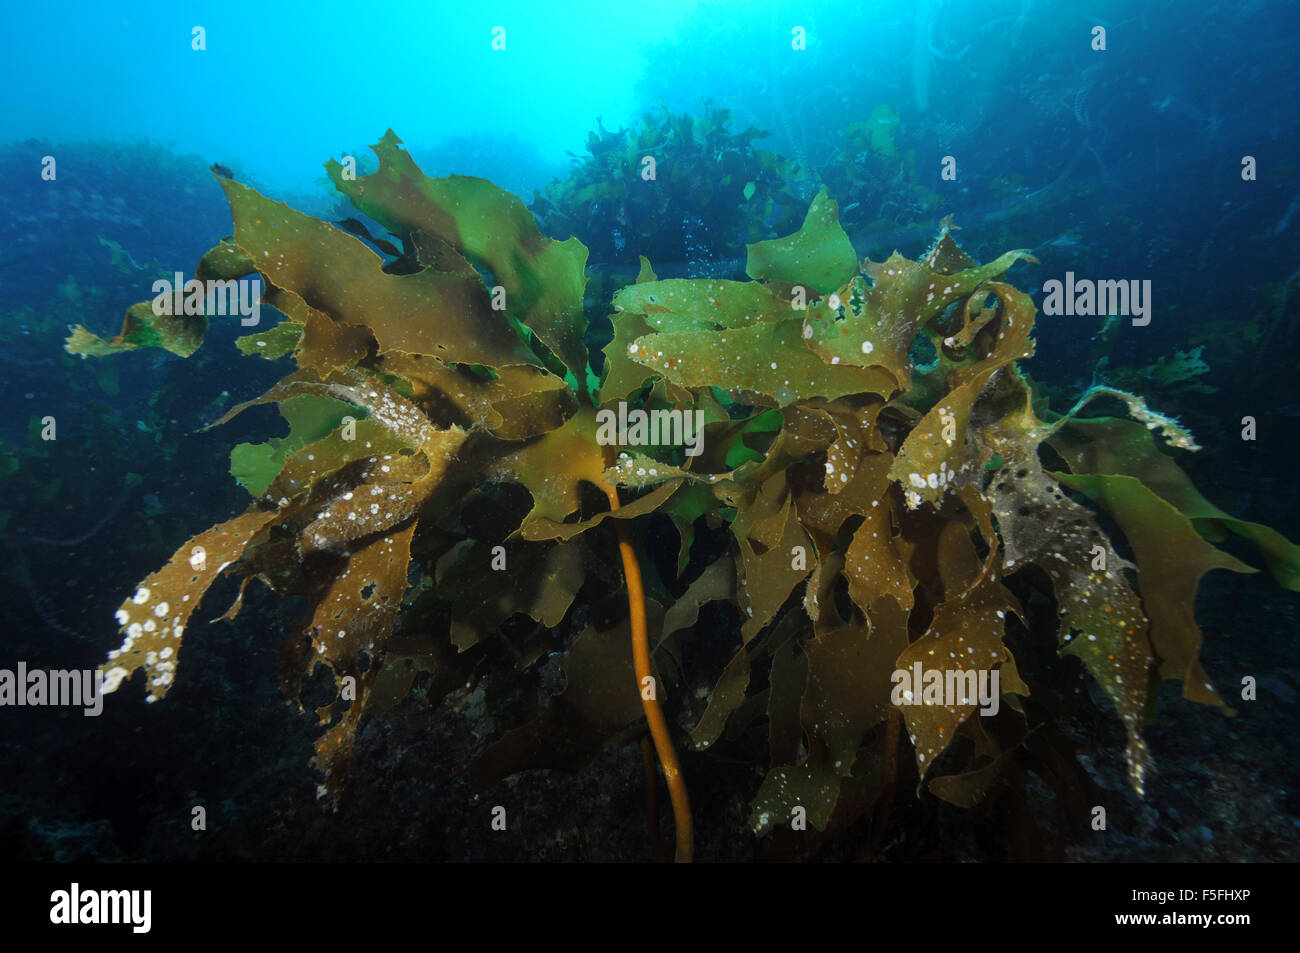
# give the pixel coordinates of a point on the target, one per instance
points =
(543, 279)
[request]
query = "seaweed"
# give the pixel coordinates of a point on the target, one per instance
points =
(710, 190)
(445, 474)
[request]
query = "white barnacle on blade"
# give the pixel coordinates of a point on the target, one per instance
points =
(113, 679)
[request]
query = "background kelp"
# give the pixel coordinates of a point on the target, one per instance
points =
(861, 511)
(712, 191)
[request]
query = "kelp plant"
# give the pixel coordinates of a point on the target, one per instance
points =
(709, 192)
(874, 508)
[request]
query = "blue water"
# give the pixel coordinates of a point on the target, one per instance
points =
(1158, 122)
(281, 86)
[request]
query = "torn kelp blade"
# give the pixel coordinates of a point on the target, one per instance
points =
(154, 619)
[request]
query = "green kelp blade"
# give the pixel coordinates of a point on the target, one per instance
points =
(272, 344)
(872, 564)
(877, 325)
(624, 375)
(716, 583)
(224, 262)
(776, 554)
(541, 581)
(688, 304)
(819, 255)
(515, 403)
(964, 640)
(543, 279)
(310, 418)
(850, 671)
(813, 786)
(936, 451)
(449, 316)
(766, 360)
(725, 697)
(686, 506)
(1171, 557)
(646, 273)
(1127, 448)
(551, 468)
(313, 462)
(539, 527)
(179, 333)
